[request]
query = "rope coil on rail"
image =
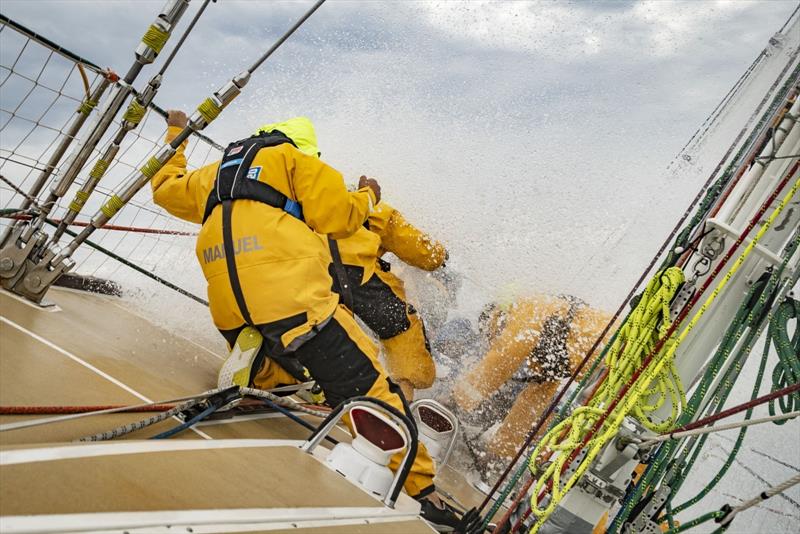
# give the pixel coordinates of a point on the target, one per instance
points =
(638, 336)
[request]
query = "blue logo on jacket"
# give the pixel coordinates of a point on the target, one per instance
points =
(254, 173)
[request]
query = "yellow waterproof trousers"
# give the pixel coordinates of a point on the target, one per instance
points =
(408, 354)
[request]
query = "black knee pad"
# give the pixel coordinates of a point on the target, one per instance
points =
(337, 364)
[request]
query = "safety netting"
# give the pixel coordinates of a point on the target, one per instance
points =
(41, 86)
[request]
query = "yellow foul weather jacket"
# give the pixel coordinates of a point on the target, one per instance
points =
(389, 232)
(282, 261)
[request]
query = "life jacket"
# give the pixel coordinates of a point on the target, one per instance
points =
(235, 180)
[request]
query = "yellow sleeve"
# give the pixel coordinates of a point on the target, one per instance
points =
(182, 193)
(328, 207)
(408, 243)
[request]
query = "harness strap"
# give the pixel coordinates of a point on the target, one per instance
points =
(230, 260)
(345, 291)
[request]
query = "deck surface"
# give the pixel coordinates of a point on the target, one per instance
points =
(92, 350)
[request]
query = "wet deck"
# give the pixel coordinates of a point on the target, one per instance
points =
(90, 350)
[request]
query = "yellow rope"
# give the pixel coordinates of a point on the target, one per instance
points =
(636, 339)
(111, 207)
(77, 203)
(155, 38)
(135, 112)
(581, 421)
(209, 110)
(87, 106)
(99, 169)
(150, 168)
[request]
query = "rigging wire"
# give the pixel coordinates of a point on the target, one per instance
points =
(730, 513)
(717, 428)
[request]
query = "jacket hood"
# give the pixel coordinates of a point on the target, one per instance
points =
(300, 130)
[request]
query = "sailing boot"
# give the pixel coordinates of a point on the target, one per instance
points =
(243, 361)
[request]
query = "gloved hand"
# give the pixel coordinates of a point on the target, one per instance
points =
(372, 184)
(176, 117)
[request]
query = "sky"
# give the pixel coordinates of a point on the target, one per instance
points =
(528, 136)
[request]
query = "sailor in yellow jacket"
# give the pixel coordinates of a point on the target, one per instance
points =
(532, 345)
(265, 210)
(378, 295)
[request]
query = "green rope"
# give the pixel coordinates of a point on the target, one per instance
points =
(787, 370)
(751, 315)
(697, 521)
(658, 464)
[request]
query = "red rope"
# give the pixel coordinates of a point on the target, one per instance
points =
(133, 229)
(61, 410)
(736, 409)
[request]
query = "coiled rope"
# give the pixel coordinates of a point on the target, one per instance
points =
(630, 394)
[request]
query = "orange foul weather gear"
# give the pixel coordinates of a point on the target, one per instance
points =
(533, 344)
(379, 297)
(280, 264)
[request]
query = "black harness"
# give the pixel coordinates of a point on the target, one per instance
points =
(236, 180)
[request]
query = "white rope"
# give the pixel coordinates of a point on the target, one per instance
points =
(763, 496)
(282, 401)
(138, 425)
(718, 428)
